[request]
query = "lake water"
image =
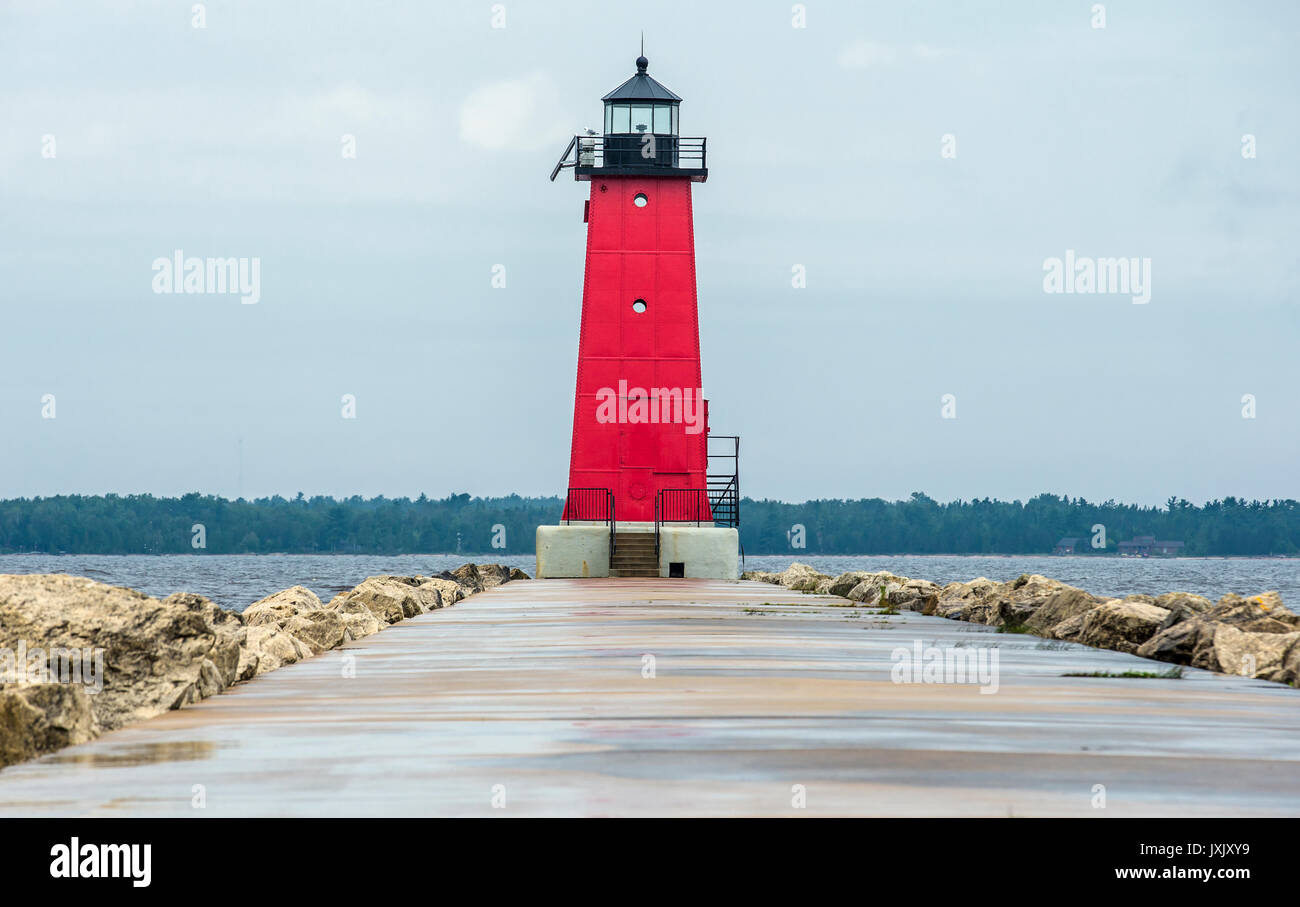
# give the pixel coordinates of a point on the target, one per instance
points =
(236, 581)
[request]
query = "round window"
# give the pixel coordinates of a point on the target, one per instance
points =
(638, 306)
(640, 200)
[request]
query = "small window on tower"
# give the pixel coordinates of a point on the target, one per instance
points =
(640, 200)
(638, 306)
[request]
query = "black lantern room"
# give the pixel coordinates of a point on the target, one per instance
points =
(641, 105)
(641, 137)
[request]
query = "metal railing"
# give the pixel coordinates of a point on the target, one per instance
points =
(634, 153)
(593, 505)
(681, 505)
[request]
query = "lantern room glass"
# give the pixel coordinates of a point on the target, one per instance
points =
(636, 119)
(620, 118)
(641, 118)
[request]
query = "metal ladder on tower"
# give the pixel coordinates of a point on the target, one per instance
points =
(723, 479)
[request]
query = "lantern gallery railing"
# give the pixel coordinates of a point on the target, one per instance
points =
(634, 155)
(591, 505)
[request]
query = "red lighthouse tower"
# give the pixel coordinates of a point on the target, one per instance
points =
(640, 455)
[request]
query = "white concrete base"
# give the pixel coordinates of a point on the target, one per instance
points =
(572, 551)
(706, 552)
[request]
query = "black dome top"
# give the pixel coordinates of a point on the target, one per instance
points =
(641, 87)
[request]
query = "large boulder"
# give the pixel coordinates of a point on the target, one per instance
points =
(1255, 636)
(762, 576)
(885, 590)
(474, 578)
(984, 601)
(875, 593)
(156, 655)
(1289, 672)
(393, 598)
(1262, 655)
(358, 620)
(1180, 643)
(43, 717)
(282, 605)
(845, 583)
(1017, 601)
(802, 578)
(493, 575)
(298, 612)
(228, 627)
(967, 601)
(916, 595)
(449, 590)
(321, 630)
(1122, 626)
(842, 584)
(468, 576)
(1060, 607)
(268, 648)
(1263, 613)
(1181, 605)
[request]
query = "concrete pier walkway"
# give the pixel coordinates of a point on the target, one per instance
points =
(536, 694)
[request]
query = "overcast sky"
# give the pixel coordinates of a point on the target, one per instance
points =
(127, 133)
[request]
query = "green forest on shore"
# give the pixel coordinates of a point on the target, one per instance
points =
(193, 523)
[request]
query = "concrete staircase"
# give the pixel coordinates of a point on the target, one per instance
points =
(634, 555)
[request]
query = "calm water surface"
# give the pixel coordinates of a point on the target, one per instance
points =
(236, 581)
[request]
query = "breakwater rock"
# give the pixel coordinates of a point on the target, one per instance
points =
(1256, 636)
(79, 657)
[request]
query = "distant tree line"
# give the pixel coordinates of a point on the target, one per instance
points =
(922, 525)
(144, 524)
(192, 524)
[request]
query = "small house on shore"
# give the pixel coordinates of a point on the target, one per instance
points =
(1148, 545)
(1068, 546)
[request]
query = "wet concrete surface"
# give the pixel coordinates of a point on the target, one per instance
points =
(535, 693)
